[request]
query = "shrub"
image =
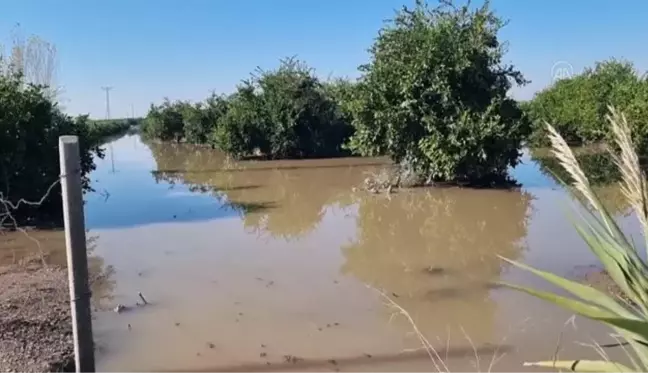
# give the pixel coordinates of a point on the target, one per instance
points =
(194, 124)
(342, 92)
(433, 96)
(200, 119)
(577, 106)
(283, 113)
(165, 122)
(30, 125)
(182, 120)
(240, 131)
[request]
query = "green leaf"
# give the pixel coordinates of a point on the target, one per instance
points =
(584, 292)
(611, 259)
(637, 327)
(582, 365)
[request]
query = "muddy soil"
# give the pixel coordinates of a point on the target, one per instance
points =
(600, 279)
(35, 326)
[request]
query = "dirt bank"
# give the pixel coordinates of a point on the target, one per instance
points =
(598, 278)
(35, 327)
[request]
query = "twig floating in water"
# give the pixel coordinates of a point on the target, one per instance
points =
(142, 298)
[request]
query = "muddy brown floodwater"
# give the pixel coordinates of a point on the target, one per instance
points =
(276, 265)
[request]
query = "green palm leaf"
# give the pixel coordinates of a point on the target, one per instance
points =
(584, 292)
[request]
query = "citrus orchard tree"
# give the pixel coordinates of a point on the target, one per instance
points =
(434, 96)
(283, 113)
(578, 106)
(166, 121)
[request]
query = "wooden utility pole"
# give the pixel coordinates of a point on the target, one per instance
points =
(77, 256)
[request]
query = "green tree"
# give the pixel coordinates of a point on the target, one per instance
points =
(283, 113)
(196, 127)
(433, 96)
(165, 122)
(200, 120)
(342, 91)
(30, 125)
(240, 132)
(182, 120)
(578, 106)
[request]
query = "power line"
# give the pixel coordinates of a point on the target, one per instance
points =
(107, 89)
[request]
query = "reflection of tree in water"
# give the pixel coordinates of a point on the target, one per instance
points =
(436, 251)
(101, 276)
(283, 198)
(600, 170)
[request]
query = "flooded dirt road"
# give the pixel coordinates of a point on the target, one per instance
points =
(286, 265)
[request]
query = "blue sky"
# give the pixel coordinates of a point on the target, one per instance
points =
(149, 49)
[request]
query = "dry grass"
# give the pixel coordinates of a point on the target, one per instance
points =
(439, 362)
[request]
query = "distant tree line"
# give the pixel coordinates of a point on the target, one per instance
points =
(433, 97)
(104, 129)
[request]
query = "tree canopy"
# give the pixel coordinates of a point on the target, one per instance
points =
(434, 95)
(284, 113)
(578, 106)
(30, 125)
